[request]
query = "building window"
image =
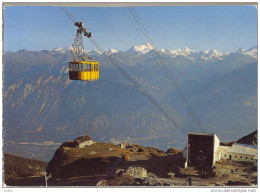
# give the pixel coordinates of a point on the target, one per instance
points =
(251, 158)
(240, 157)
(235, 156)
(246, 157)
(225, 155)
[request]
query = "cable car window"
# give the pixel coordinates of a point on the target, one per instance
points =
(84, 67)
(72, 66)
(94, 67)
(80, 67)
(90, 67)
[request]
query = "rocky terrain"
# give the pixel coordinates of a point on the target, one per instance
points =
(105, 164)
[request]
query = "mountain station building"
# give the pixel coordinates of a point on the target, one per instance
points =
(205, 149)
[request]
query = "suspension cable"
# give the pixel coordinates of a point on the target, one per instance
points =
(68, 14)
(132, 80)
(104, 18)
(165, 69)
(137, 85)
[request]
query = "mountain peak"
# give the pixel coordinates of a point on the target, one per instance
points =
(252, 48)
(141, 48)
(241, 50)
(57, 50)
(213, 51)
(111, 51)
(187, 49)
(253, 52)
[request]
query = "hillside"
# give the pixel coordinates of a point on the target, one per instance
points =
(97, 159)
(250, 139)
(15, 166)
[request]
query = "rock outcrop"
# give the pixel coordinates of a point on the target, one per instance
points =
(137, 172)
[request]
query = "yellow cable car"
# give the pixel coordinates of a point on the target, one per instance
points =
(84, 70)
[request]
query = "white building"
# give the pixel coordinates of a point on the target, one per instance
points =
(239, 152)
(122, 145)
(83, 141)
(208, 147)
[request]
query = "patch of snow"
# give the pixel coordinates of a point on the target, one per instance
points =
(144, 49)
(184, 52)
(253, 52)
(112, 51)
(57, 50)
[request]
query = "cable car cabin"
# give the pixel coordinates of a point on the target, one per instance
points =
(84, 70)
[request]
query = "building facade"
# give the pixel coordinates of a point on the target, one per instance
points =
(83, 141)
(239, 152)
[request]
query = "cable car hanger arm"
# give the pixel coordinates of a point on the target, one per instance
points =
(83, 29)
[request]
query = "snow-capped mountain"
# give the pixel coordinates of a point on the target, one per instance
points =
(144, 49)
(251, 52)
(93, 52)
(112, 51)
(188, 53)
(194, 55)
(184, 52)
(58, 50)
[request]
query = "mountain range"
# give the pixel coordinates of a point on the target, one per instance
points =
(43, 108)
(186, 52)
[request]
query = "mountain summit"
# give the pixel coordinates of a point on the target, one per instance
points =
(144, 49)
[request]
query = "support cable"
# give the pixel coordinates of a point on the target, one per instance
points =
(165, 69)
(132, 81)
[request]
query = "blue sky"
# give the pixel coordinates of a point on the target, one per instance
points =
(225, 28)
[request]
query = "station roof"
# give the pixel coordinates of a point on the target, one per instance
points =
(83, 139)
(197, 133)
(240, 149)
